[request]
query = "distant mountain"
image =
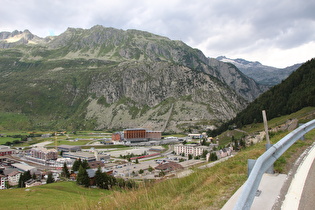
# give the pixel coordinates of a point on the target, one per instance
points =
(105, 78)
(265, 75)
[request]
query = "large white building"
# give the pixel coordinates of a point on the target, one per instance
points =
(44, 154)
(190, 149)
(14, 177)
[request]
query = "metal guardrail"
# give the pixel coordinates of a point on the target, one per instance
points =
(265, 161)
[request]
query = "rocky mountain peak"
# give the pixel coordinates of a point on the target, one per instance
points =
(262, 74)
(108, 78)
(12, 39)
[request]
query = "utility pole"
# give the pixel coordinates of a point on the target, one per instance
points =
(266, 126)
(251, 162)
(55, 140)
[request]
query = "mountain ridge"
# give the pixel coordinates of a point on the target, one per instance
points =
(106, 78)
(262, 74)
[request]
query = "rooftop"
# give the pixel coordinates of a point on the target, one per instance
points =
(13, 173)
(23, 167)
(68, 146)
(169, 165)
(131, 129)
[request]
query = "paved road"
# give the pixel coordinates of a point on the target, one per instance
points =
(307, 201)
(302, 188)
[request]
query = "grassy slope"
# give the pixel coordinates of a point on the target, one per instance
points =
(51, 196)
(251, 129)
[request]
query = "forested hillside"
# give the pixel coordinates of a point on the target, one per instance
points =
(293, 94)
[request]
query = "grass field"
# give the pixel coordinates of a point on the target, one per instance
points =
(84, 138)
(3, 140)
(52, 196)
(66, 142)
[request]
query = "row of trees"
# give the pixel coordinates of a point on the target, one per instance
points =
(203, 155)
(77, 163)
(75, 167)
(238, 143)
(103, 180)
(27, 176)
(128, 156)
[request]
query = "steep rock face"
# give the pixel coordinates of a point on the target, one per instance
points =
(166, 90)
(151, 83)
(243, 85)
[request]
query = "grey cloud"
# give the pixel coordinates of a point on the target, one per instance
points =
(216, 26)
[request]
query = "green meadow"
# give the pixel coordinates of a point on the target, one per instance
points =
(51, 196)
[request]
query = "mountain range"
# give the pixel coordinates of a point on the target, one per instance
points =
(264, 75)
(106, 78)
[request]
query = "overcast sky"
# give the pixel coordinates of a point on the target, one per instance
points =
(277, 33)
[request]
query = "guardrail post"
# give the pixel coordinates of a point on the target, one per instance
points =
(303, 137)
(269, 170)
(251, 163)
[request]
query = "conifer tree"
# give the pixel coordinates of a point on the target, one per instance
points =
(21, 181)
(65, 172)
(27, 176)
(85, 164)
(76, 165)
(99, 178)
(23, 178)
(50, 178)
(83, 177)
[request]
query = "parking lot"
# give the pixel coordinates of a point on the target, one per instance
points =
(132, 169)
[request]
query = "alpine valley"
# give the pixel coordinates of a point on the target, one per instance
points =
(105, 78)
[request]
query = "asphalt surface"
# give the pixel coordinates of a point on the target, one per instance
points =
(307, 201)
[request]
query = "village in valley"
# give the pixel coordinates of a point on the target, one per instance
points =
(132, 154)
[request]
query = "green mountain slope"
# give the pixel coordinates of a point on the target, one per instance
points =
(293, 94)
(105, 78)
